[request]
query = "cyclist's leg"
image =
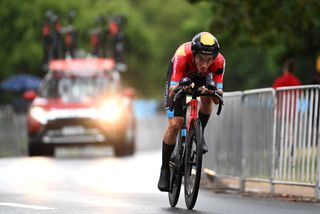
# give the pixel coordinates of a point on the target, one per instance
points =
(205, 110)
(175, 122)
(168, 145)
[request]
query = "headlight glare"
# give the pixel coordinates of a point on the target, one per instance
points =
(38, 114)
(110, 110)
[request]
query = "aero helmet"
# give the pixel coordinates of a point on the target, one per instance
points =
(205, 43)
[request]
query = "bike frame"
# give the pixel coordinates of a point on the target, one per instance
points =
(193, 103)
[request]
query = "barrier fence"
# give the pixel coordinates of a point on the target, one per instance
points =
(268, 135)
(13, 134)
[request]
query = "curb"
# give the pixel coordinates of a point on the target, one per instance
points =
(231, 185)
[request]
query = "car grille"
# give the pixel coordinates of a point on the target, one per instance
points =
(74, 130)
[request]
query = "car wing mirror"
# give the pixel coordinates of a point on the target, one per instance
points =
(29, 95)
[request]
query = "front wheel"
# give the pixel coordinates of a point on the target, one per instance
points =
(193, 164)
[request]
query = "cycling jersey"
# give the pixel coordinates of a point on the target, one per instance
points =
(182, 65)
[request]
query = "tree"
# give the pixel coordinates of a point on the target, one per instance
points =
(277, 29)
(153, 30)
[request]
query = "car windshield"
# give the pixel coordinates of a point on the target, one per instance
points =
(76, 87)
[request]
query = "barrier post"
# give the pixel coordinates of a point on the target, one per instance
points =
(274, 134)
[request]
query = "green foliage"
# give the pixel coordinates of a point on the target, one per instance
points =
(259, 35)
(153, 31)
(254, 36)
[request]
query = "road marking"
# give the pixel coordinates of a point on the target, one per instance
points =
(35, 207)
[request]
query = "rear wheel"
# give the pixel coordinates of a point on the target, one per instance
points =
(175, 179)
(176, 187)
(176, 170)
(193, 164)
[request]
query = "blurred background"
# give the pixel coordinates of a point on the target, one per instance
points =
(255, 40)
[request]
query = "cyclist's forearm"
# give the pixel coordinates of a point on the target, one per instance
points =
(171, 90)
(220, 91)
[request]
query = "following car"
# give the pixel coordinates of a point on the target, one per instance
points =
(81, 102)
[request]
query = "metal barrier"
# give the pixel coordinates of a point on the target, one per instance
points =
(13, 136)
(227, 151)
(268, 135)
(257, 133)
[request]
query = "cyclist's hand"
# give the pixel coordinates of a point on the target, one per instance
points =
(215, 99)
(171, 90)
(188, 87)
(186, 83)
(205, 90)
(219, 91)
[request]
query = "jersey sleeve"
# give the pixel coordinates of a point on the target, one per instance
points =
(219, 71)
(179, 62)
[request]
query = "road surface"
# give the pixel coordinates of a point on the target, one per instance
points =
(77, 183)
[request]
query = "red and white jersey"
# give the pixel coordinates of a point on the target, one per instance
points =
(184, 66)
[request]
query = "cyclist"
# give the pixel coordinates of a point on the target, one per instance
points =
(197, 59)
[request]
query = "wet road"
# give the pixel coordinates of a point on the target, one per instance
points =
(104, 184)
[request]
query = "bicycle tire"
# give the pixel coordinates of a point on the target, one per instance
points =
(175, 192)
(193, 164)
(175, 175)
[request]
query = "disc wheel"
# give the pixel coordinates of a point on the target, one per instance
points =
(176, 187)
(176, 172)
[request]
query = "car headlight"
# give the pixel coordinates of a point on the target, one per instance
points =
(39, 114)
(111, 110)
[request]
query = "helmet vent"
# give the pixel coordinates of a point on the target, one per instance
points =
(207, 39)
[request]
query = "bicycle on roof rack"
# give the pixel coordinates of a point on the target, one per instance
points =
(186, 159)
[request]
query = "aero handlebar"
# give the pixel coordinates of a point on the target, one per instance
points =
(179, 91)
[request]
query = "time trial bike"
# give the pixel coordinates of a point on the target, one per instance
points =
(186, 159)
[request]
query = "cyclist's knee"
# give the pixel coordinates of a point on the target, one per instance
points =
(206, 106)
(175, 124)
(206, 101)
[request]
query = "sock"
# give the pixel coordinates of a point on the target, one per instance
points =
(204, 119)
(166, 154)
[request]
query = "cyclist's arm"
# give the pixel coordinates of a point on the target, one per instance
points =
(171, 89)
(219, 73)
(179, 62)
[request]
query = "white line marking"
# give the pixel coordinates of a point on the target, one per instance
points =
(25, 206)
